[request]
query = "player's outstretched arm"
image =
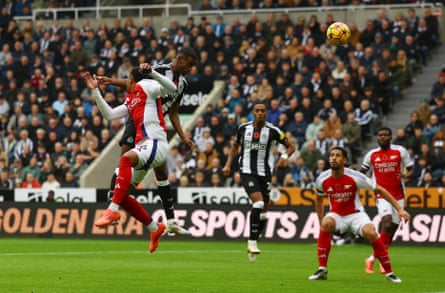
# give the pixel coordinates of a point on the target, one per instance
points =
(112, 81)
(386, 195)
(109, 113)
(165, 82)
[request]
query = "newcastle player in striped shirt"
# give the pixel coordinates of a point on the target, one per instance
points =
(256, 140)
(176, 72)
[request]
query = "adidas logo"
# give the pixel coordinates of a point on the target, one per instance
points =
(378, 159)
(251, 184)
(330, 189)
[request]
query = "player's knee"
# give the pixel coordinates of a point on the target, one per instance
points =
(258, 205)
(328, 224)
(369, 232)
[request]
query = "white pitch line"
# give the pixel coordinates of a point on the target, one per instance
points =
(133, 252)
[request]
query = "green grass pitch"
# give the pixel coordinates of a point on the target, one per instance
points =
(66, 265)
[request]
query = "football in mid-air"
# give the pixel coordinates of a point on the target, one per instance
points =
(338, 33)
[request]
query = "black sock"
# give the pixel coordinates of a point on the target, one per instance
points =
(167, 201)
(261, 226)
(254, 223)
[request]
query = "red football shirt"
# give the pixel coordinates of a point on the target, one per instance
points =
(387, 168)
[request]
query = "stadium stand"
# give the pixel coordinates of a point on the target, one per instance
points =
(48, 113)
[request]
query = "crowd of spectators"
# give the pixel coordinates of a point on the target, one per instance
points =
(319, 94)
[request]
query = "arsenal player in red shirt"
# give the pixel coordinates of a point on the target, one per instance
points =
(389, 164)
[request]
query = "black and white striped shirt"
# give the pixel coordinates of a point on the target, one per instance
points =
(179, 80)
(256, 148)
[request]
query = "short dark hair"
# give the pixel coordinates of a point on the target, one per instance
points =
(188, 52)
(260, 103)
(384, 128)
(342, 150)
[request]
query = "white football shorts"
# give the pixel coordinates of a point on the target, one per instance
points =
(384, 208)
(151, 154)
(354, 222)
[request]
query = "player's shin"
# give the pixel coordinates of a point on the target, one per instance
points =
(263, 222)
(123, 181)
(255, 219)
(135, 209)
(323, 248)
(167, 199)
(381, 253)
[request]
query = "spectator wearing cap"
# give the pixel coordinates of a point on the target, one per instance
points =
(223, 115)
(163, 40)
(219, 26)
(230, 128)
(223, 73)
(378, 45)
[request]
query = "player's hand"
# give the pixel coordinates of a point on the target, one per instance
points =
(103, 80)
(145, 66)
(226, 171)
(90, 81)
(189, 143)
(404, 215)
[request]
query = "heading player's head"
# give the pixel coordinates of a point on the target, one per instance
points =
(338, 157)
(185, 60)
(135, 76)
(259, 112)
(384, 137)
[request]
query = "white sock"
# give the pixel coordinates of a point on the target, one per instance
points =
(251, 242)
(170, 222)
(114, 207)
(153, 226)
(371, 258)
